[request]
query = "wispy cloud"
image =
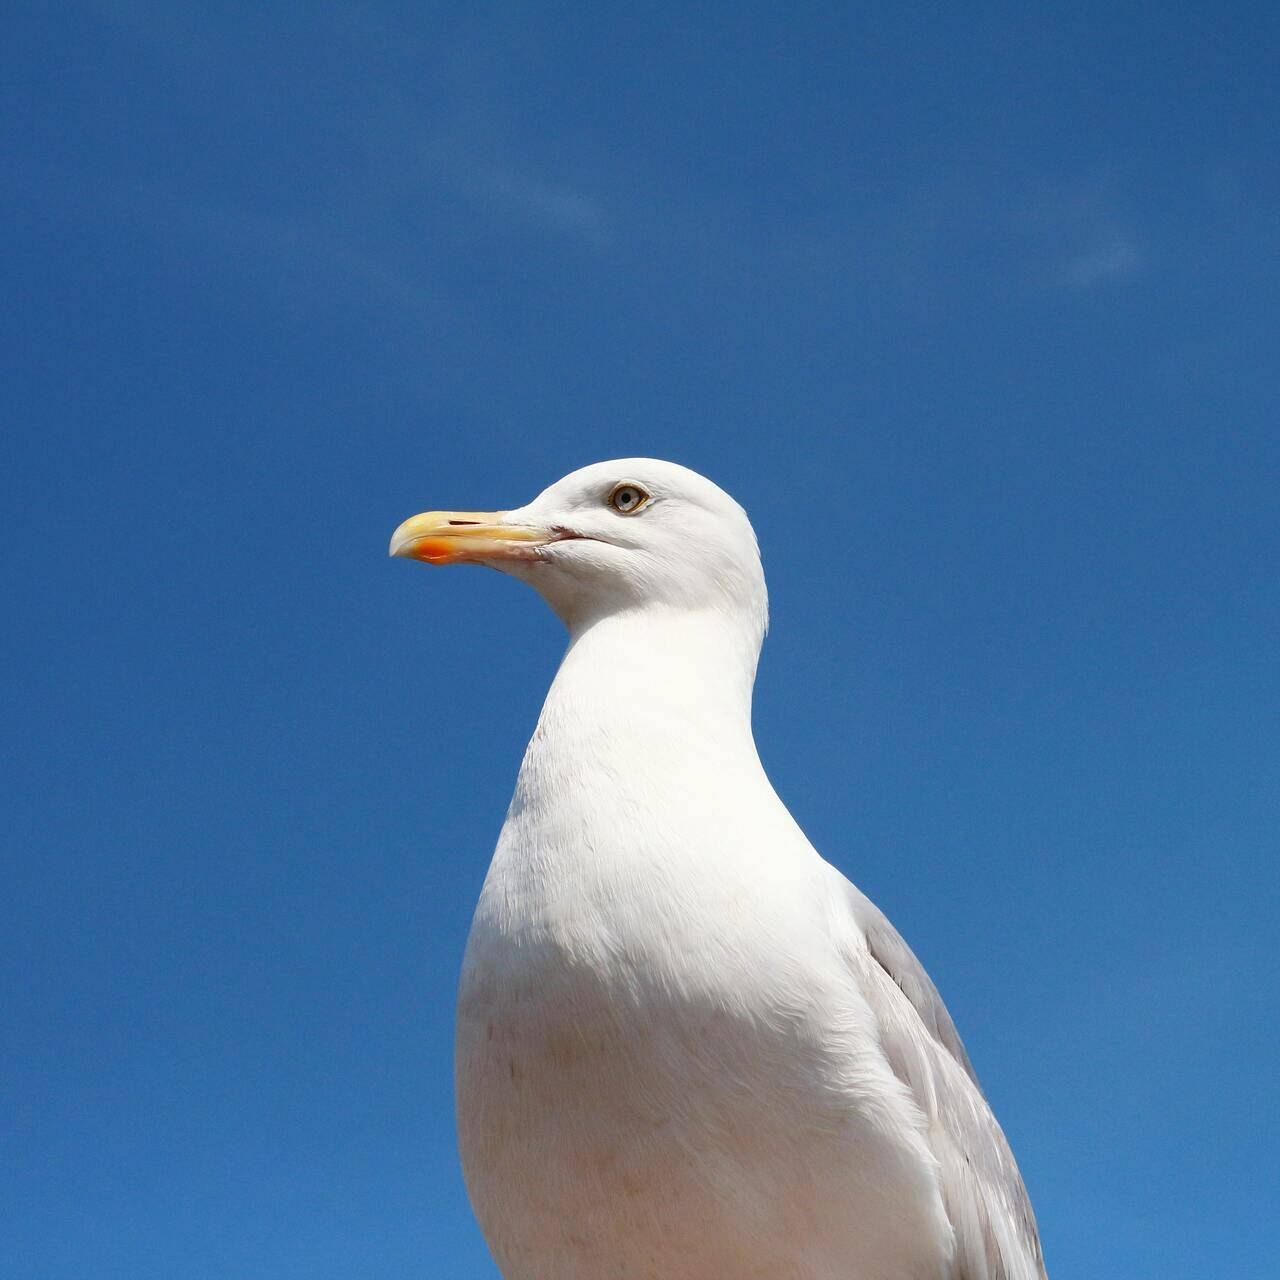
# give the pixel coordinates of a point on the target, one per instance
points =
(305, 258)
(557, 208)
(1111, 258)
(1082, 237)
(509, 193)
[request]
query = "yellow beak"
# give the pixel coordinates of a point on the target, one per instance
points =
(459, 537)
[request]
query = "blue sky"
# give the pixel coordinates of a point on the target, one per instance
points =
(973, 307)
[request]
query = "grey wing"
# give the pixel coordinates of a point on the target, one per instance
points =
(995, 1228)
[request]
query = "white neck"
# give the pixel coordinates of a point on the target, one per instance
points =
(677, 673)
(643, 764)
(644, 703)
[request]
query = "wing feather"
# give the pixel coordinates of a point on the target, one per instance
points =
(986, 1202)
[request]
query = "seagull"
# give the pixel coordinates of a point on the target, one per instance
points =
(687, 1047)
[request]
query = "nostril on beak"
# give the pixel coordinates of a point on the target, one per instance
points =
(464, 521)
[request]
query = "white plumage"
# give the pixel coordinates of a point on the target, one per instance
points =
(688, 1048)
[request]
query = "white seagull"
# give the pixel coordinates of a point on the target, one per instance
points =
(687, 1047)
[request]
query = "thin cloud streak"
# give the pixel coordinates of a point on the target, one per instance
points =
(512, 194)
(1112, 259)
(323, 259)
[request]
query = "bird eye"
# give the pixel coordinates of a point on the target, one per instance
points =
(627, 499)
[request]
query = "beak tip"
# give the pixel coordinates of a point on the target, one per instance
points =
(453, 537)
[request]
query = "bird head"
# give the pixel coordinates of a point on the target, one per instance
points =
(632, 535)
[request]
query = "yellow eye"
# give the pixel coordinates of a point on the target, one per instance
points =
(627, 498)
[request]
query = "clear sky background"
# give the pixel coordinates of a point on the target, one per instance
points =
(973, 307)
